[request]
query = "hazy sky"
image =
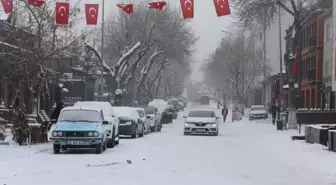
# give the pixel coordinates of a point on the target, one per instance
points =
(206, 24)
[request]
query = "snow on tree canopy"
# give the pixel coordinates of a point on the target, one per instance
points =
(118, 91)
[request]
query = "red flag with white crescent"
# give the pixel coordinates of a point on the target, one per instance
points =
(7, 5)
(127, 8)
(36, 3)
(157, 5)
(187, 8)
(91, 13)
(222, 7)
(62, 12)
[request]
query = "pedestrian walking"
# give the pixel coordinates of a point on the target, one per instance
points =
(225, 112)
(274, 110)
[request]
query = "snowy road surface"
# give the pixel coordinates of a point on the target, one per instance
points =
(243, 154)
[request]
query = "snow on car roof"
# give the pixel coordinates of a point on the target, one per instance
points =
(201, 110)
(139, 108)
(258, 106)
(125, 111)
(82, 108)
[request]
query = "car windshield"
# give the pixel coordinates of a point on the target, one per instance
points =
(125, 112)
(201, 113)
(257, 108)
(79, 115)
(141, 113)
(149, 110)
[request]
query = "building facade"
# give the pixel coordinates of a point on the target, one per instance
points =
(311, 64)
(328, 96)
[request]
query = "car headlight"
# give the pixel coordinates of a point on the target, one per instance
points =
(214, 125)
(54, 133)
(95, 134)
(59, 133)
(90, 134)
(186, 124)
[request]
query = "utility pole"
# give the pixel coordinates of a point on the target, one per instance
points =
(280, 51)
(264, 60)
(101, 94)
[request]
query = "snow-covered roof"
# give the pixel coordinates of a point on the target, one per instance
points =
(200, 110)
(82, 108)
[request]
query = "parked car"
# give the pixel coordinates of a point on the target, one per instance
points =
(258, 112)
(174, 103)
(181, 103)
(154, 118)
(81, 128)
(168, 115)
(109, 115)
(145, 119)
(201, 121)
(130, 122)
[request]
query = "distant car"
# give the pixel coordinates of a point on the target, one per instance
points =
(109, 115)
(174, 103)
(168, 115)
(258, 112)
(130, 122)
(81, 128)
(145, 119)
(181, 103)
(154, 118)
(201, 121)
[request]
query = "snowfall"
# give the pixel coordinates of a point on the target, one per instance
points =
(244, 153)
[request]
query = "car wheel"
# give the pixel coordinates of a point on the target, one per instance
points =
(117, 141)
(135, 132)
(159, 129)
(142, 132)
(155, 127)
(216, 134)
(57, 149)
(110, 142)
(99, 148)
(105, 145)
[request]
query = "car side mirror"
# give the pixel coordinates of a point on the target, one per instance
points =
(184, 116)
(105, 122)
(149, 117)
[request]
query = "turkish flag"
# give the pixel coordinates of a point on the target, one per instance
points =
(7, 5)
(222, 7)
(187, 8)
(127, 8)
(36, 3)
(91, 13)
(62, 12)
(157, 5)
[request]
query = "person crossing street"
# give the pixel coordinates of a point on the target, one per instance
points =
(225, 112)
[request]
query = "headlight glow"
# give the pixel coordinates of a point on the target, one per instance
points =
(186, 124)
(95, 134)
(59, 133)
(54, 133)
(90, 134)
(214, 125)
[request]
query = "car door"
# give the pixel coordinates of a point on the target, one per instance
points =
(106, 127)
(137, 119)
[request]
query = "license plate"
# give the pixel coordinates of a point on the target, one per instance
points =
(200, 130)
(77, 143)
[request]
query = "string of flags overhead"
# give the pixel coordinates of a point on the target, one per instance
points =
(222, 8)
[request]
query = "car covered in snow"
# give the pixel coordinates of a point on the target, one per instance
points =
(154, 118)
(80, 128)
(130, 122)
(201, 121)
(145, 119)
(109, 115)
(258, 112)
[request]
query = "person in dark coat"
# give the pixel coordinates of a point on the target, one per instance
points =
(274, 110)
(56, 112)
(225, 112)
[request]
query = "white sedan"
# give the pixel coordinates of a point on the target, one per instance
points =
(201, 121)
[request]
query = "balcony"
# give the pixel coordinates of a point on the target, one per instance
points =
(312, 75)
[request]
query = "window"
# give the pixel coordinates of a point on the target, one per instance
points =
(328, 33)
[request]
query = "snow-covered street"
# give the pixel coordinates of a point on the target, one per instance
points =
(244, 153)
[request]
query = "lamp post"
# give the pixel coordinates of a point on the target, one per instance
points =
(102, 56)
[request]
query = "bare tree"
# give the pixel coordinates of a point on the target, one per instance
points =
(233, 66)
(165, 39)
(262, 14)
